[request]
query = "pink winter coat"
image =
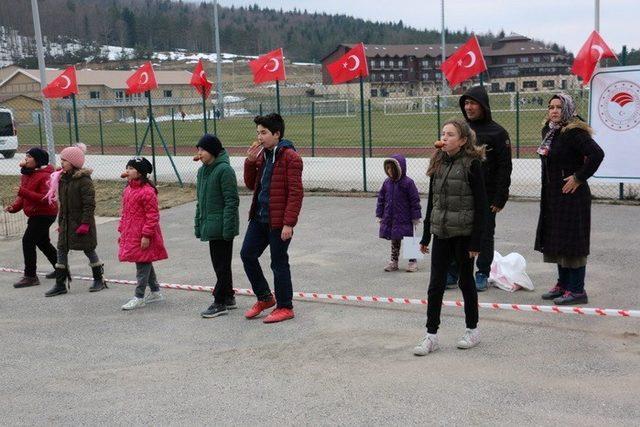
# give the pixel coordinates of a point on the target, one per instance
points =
(140, 217)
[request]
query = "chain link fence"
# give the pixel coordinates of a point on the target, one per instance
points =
(324, 123)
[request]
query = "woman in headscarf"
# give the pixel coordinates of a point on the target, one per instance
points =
(569, 157)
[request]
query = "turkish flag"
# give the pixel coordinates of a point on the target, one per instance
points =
(590, 53)
(465, 63)
(268, 67)
(349, 66)
(142, 80)
(63, 85)
(199, 80)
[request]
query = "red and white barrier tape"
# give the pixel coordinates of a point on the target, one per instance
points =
(603, 312)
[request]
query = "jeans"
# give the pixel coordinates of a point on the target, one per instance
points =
(572, 279)
(221, 252)
(259, 236)
(442, 252)
(37, 235)
(145, 275)
(63, 258)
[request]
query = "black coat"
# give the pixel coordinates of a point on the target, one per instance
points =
(564, 225)
(497, 166)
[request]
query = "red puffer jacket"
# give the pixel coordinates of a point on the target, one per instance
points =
(31, 196)
(285, 193)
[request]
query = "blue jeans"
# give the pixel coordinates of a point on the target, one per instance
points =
(259, 236)
(572, 279)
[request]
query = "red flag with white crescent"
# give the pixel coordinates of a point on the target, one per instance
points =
(349, 66)
(592, 51)
(142, 80)
(465, 62)
(63, 85)
(268, 67)
(199, 80)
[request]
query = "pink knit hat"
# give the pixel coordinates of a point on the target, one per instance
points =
(74, 155)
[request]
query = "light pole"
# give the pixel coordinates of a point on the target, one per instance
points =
(444, 51)
(219, 95)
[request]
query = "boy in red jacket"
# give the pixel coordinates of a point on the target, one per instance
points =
(273, 169)
(31, 199)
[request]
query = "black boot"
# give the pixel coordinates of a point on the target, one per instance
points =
(63, 277)
(98, 279)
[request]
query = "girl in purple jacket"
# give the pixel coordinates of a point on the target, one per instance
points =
(398, 209)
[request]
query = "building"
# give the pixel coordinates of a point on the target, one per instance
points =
(514, 63)
(98, 90)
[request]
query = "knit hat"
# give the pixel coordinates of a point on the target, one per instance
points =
(211, 144)
(142, 165)
(74, 155)
(39, 155)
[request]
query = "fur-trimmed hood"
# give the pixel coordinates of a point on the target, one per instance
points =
(79, 173)
(577, 123)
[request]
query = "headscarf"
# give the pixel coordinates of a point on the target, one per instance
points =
(567, 112)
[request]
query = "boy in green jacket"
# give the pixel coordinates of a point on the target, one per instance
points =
(217, 218)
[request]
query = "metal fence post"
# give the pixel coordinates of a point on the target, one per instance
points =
(40, 129)
(101, 135)
(370, 137)
(135, 129)
(173, 130)
(623, 61)
(517, 124)
(313, 128)
(69, 126)
(438, 113)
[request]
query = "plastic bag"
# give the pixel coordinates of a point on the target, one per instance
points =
(509, 272)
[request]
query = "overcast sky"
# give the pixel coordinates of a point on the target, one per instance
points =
(565, 22)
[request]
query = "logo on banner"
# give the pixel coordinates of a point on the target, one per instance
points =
(619, 106)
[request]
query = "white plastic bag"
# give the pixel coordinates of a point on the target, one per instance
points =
(509, 272)
(411, 248)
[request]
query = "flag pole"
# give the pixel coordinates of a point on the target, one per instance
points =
(204, 108)
(153, 145)
(278, 96)
(75, 116)
(364, 160)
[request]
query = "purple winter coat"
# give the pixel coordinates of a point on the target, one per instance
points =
(398, 202)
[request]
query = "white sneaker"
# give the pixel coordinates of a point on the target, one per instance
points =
(134, 303)
(471, 338)
(428, 344)
(154, 297)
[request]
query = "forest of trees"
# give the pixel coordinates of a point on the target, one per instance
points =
(162, 25)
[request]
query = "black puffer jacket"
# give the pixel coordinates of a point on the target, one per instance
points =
(497, 167)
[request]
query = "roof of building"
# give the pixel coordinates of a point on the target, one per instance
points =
(114, 79)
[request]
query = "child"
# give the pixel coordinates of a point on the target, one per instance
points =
(273, 170)
(140, 236)
(456, 215)
(217, 218)
(73, 188)
(34, 183)
(398, 210)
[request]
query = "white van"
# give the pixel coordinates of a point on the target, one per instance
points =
(8, 134)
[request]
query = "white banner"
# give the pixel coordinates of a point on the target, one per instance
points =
(614, 115)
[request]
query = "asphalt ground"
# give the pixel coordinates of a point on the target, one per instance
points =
(79, 359)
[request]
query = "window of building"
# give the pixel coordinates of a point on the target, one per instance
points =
(438, 75)
(373, 63)
(383, 76)
(564, 84)
(94, 94)
(536, 59)
(168, 93)
(529, 84)
(392, 77)
(511, 60)
(374, 93)
(425, 76)
(548, 84)
(510, 87)
(425, 64)
(119, 94)
(495, 87)
(400, 63)
(437, 62)
(524, 59)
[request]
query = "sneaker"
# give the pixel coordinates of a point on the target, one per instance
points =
(26, 281)
(570, 298)
(482, 282)
(412, 267)
(452, 281)
(391, 266)
(428, 344)
(553, 293)
(154, 297)
(134, 303)
(214, 310)
(471, 338)
(230, 303)
(279, 315)
(259, 307)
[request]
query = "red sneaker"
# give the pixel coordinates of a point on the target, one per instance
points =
(278, 315)
(259, 307)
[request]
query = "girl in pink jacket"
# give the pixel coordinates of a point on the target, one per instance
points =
(140, 236)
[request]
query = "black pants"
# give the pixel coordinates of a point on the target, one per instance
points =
(442, 252)
(37, 235)
(221, 253)
(486, 251)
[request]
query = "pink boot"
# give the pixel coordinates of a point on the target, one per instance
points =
(412, 267)
(391, 266)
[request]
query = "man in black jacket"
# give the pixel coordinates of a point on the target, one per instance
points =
(497, 173)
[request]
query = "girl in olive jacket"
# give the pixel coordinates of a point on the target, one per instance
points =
(217, 218)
